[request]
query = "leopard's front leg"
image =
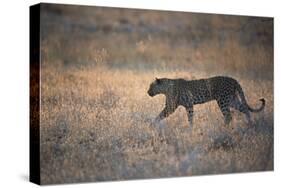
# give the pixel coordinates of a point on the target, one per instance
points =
(189, 111)
(170, 107)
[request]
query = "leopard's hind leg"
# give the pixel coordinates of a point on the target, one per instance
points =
(224, 106)
(238, 105)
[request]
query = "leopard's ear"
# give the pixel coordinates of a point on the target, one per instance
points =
(157, 80)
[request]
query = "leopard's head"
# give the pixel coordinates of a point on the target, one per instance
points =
(159, 86)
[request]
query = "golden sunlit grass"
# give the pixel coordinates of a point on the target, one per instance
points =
(96, 125)
(96, 117)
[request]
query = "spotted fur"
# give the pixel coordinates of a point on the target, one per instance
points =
(225, 90)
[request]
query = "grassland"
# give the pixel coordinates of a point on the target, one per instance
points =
(96, 115)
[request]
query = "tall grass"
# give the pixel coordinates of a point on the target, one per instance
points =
(96, 117)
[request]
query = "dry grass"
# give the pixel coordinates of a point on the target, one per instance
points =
(96, 115)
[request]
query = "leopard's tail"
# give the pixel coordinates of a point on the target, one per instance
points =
(243, 99)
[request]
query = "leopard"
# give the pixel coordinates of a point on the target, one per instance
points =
(226, 91)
